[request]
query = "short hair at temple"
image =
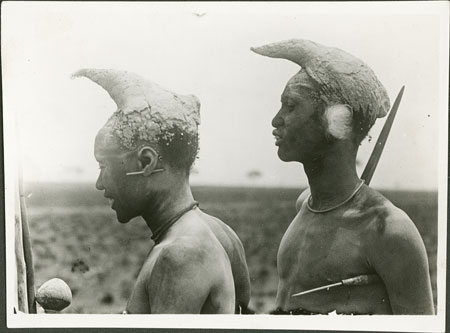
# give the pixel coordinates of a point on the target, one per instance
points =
(180, 151)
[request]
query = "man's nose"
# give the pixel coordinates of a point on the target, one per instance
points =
(99, 185)
(277, 121)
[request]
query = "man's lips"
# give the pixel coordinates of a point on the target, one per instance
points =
(111, 200)
(278, 137)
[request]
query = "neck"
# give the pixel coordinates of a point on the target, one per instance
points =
(168, 203)
(332, 177)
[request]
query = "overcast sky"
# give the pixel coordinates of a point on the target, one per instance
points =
(203, 49)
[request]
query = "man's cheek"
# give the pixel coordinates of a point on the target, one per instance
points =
(117, 173)
(292, 140)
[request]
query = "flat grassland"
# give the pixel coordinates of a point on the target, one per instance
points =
(76, 237)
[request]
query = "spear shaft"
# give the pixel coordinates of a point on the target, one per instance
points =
(359, 280)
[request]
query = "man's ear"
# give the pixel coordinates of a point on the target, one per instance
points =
(338, 120)
(148, 160)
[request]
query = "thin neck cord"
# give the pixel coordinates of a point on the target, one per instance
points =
(157, 235)
(308, 202)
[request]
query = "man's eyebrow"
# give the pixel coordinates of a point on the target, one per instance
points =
(298, 92)
(109, 155)
(290, 95)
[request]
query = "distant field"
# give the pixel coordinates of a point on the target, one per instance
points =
(77, 238)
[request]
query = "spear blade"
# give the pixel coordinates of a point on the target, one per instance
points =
(378, 149)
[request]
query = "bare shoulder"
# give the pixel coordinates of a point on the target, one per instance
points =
(218, 223)
(181, 251)
(301, 199)
(396, 251)
(388, 226)
(191, 239)
(186, 273)
(236, 254)
(181, 257)
(224, 233)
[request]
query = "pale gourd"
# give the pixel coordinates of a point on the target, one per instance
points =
(54, 295)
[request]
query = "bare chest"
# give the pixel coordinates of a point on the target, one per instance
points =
(318, 249)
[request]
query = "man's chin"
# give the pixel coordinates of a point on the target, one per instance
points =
(284, 157)
(289, 155)
(123, 219)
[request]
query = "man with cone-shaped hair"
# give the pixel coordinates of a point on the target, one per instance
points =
(343, 228)
(145, 152)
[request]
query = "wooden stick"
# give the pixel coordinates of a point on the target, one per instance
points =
(24, 235)
(28, 253)
(20, 259)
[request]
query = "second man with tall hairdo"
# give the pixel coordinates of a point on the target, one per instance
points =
(343, 228)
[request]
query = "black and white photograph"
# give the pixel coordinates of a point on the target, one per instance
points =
(253, 165)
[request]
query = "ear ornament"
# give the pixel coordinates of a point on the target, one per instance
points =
(143, 172)
(338, 119)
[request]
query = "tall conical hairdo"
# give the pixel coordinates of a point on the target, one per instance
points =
(341, 77)
(145, 110)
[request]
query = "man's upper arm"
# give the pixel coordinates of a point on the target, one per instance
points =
(242, 278)
(398, 255)
(179, 282)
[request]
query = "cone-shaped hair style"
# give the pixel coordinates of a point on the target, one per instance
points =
(144, 109)
(341, 78)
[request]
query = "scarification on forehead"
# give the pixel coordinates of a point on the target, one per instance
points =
(300, 86)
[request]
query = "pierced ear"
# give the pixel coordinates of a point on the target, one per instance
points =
(338, 119)
(148, 159)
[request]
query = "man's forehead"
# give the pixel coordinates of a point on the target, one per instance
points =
(300, 85)
(106, 144)
(301, 79)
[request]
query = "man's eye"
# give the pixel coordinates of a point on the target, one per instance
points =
(291, 107)
(101, 167)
